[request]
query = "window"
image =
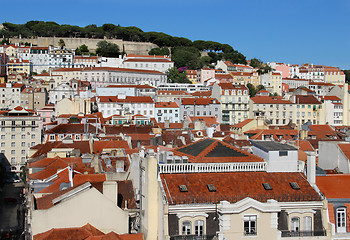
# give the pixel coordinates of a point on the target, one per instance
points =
(23, 152)
(13, 152)
(341, 220)
(295, 224)
(23, 144)
(33, 136)
(307, 224)
(13, 136)
(199, 228)
(13, 144)
(23, 136)
(186, 228)
(2, 144)
(283, 153)
(52, 137)
(249, 225)
(2, 136)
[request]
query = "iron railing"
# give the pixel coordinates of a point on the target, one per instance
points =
(303, 233)
(194, 237)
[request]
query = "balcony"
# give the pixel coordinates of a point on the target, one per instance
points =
(193, 237)
(211, 167)
(303, 233)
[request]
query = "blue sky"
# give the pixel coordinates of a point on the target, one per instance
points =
(298, 31)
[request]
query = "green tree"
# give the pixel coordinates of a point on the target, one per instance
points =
(61, 43)
(174, 76)
(347, 75)
(159, 51)
(83, 49)
(107, 49)
(186, 57)
(252, 90)
(256, 63)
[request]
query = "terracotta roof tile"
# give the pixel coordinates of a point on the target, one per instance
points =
(235, 186)
(334, 185)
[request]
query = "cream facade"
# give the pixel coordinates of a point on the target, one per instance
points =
(87, 206)
(20, 130)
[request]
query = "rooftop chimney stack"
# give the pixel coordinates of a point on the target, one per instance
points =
(311, 169)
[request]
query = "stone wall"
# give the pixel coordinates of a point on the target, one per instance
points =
(140, 48)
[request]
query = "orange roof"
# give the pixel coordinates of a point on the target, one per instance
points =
(242, 124)
(320, 128)
(82, 178)
(232, 86)
(100, 145)
(199, 101)
(235, 186)
(209, 120)
(334, 185)
(270, 100)
(166, 105)
(331, 213)
(128, 99)
(86, 232)
(305, 145)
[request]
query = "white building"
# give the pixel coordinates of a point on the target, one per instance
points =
(167, 111)
(125, 105)
(20, 130)
(10, 95)
(234, 102)
(199, 107)
(332, 111)
(148, 62)
(279, 157)
(104, 76)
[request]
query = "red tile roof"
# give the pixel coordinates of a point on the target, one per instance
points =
(128, 99)
(201, 94)
(72, 128)
(242, 124)
(306, 99)
(334, 185)
(235, 186)
(100, 145)
(166, 105)
(86, 232)
(83, 146)
(270, 100)
(199, 101)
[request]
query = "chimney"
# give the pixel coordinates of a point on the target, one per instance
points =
(311, 169)
(110, 190)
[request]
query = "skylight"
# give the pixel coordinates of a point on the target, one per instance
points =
(294, 185)
(267, 186)
(183, 188)
(211, 188)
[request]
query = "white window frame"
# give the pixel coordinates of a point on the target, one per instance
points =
(250, 225)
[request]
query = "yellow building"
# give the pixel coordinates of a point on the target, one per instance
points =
(334, 75)
(16, 66)
(246, 77)
(272, 81)
(67, 74)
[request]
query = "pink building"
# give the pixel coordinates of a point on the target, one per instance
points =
(284, 69)
(47, 114)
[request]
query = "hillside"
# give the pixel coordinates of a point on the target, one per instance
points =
(181, 47)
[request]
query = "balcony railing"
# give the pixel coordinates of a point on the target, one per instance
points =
(211, 167)
(193, 237)
(303, 233)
